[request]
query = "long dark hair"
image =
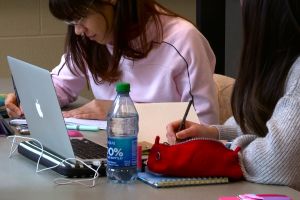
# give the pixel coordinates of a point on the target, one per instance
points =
(129, 35)
(271, 45)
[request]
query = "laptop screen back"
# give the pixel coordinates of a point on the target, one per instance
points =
(41, 108)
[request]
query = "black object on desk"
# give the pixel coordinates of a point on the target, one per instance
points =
(5, 128)
(3, 112)
(33, 151)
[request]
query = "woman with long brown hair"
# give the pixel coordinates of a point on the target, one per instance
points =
(163, 56)
(266, 96)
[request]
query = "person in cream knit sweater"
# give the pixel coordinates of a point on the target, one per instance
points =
(266, 96)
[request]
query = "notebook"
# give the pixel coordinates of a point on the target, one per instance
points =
(163, 181)
(165, 113)
(46, 124)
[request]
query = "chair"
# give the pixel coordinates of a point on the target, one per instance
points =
(224, 87)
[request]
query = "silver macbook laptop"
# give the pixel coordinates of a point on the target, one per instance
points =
(45, 121)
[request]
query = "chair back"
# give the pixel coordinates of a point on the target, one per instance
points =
(224, 86)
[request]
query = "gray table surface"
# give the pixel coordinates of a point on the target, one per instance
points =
(18, 180)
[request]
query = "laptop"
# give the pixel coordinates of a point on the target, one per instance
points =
(46, 124)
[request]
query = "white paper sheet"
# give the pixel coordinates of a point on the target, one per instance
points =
(100, 124)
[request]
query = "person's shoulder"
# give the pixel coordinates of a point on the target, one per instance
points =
(182, 34)
(293, 79)
(178, 27)
(180, 22)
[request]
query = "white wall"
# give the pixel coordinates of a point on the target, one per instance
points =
(29, 32)
(186, 8)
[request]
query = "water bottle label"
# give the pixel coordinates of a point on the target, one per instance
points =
(122, 151)
(122, 126)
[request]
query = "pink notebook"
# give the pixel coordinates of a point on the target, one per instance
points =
(257, 197)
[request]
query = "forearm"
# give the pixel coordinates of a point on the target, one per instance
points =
(274, 159)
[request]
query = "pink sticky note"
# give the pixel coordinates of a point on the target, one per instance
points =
(73, 133)
(229, 198)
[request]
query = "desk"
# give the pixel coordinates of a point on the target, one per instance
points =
(18, 180)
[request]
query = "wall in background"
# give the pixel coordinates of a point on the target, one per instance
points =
(29, 32)
(186, 8)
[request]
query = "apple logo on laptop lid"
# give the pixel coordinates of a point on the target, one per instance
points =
(38, 108)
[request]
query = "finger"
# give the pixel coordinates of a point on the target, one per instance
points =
(10, 113)
(171, 138)
(171, 127)
(71, 113)
(66, 114)
(182, 135)
(100, 115)
(189, 124)
(13, 110)
(171, 131)
(85, 114)
(10, 99)
(187, 133)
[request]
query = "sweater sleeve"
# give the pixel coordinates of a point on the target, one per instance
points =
(67, 85)
(274, 159)
(200, 65)
(229, 131)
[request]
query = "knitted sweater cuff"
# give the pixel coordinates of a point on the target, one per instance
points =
(226, 132)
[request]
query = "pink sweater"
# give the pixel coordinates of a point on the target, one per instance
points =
(183, 64)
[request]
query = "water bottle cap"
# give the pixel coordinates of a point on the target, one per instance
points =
(123, 87)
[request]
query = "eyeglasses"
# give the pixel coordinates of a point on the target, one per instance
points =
(76, 22)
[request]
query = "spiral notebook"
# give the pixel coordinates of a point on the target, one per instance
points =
(163, 181)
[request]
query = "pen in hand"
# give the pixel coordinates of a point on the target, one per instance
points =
(182, 123)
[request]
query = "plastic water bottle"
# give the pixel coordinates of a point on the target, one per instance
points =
(122, 130)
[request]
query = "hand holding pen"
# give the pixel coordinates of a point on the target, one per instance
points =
(181, 130)
(176, 131)
(183, 121)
